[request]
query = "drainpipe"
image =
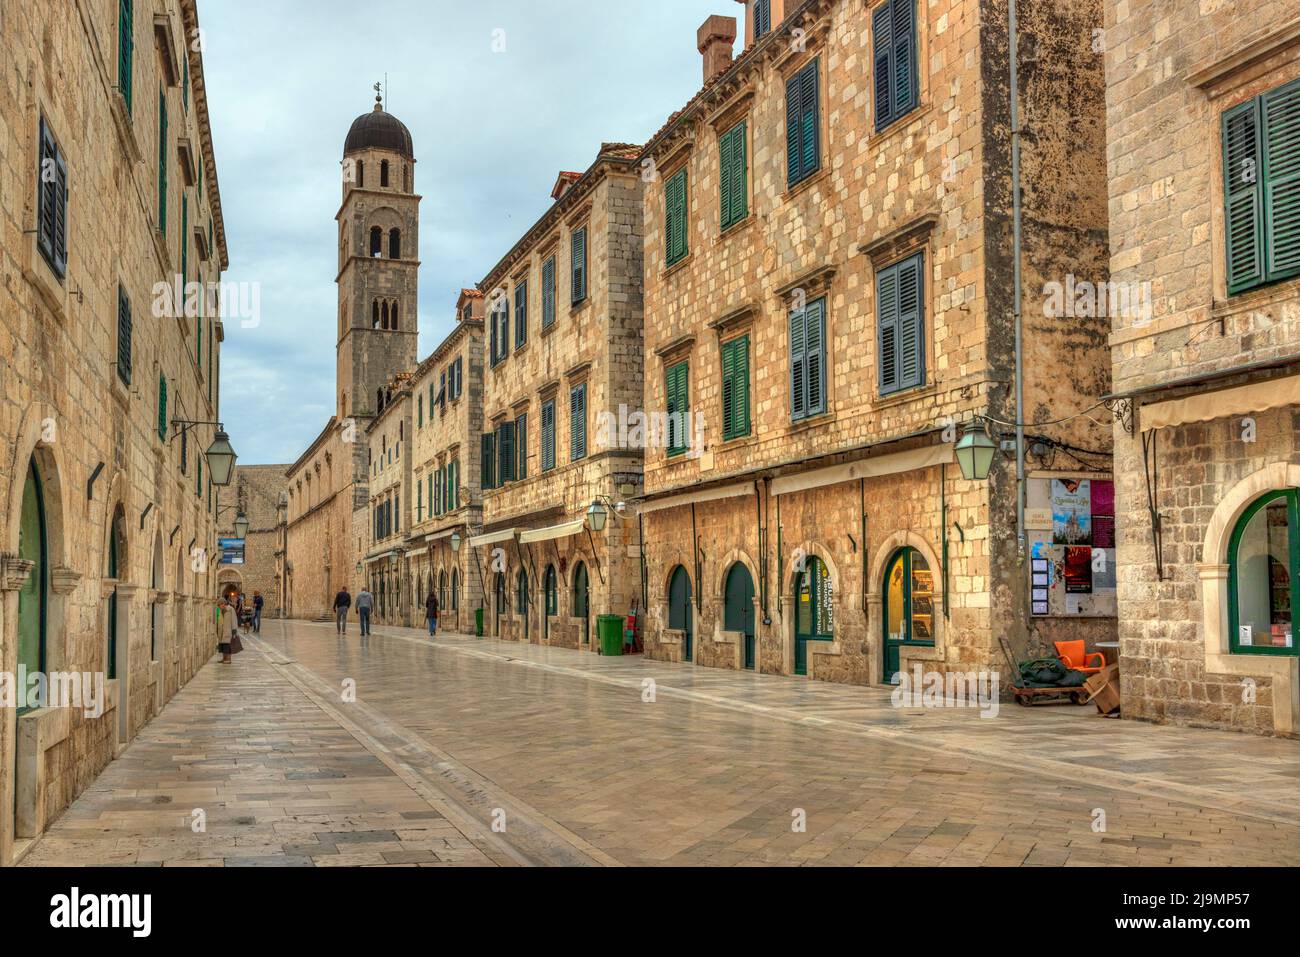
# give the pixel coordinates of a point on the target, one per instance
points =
(1016, 298)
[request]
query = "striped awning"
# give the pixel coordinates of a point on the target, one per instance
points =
(563, 530)
(492, 538)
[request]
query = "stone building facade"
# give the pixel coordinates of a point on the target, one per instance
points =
(448, 389)
(378, 266)
(388, 444)
(109, 204)
(564, 360)
(829, 278)
(257, 492)
(1203, 126)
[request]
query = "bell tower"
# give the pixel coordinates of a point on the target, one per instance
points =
(378, 226)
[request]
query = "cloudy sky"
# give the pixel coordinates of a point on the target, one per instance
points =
(285, 80)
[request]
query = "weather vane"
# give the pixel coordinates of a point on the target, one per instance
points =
(378, 93)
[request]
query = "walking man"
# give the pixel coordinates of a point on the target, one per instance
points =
(342, 602)
(431, 613)
(365, 605)
(257, 612)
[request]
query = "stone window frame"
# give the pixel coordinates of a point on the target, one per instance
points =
(1282, 670)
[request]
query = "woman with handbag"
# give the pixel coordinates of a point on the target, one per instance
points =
(229, 617)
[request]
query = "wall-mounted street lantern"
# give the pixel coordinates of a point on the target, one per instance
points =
(975, 452)
(241, 525)
(597, 515)
(455, 541)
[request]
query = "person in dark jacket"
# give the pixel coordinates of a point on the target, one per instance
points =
(342, 602)
(431, 613)
(258, 601)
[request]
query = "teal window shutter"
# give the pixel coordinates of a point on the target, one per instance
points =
(125, 49)
(578, 265)
(733, 176)
(735, 388)
(675, 217)
(1280, 111)
(802, 121)
(505, 453)
(487, 476)
(762, 18)
(521, 313)
(578, 423)
(162, 160)
(52, 218)
(548, 293)
(185, 242)
(548, 435)
(521, 445)
(815, 356)
(419, 501)
(162, 407)
(894, 60)
(123, 336)
(676, 386)
(900, 322)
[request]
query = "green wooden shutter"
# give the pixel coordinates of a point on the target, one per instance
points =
(162, 407)
(548, 293)
(419, 500)
(506, 452)
(735, 388)
(793, 150)
(52, 216)
(486, 461)
(882, 61)
(733, 177)
(809, 118)
(125, 49)
(675, 217)
(1280, 109)
(521, 313)
(903, 95)
(911, 332)
(521, 445)
(123, 336)
(548, 436)
(887, 329)
(1244, 221)
(578, 423)
(798, 367)
(185, 241)
(815, 356)
(162, 160)
(762, 18)
(677, 389)
(578, 265)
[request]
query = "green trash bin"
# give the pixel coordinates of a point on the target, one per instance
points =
(610, 629)
(478, 622)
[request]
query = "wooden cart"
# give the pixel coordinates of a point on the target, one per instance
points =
(1032, 696)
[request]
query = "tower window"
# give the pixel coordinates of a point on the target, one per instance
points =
(361, 172)
(394, 244)
(383, 173)
(376, 241)
(392, 318)
(374, 315)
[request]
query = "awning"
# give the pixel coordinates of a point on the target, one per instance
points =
(493, 537)
(379, 558)
(708, 495)
(866, 468)
(563, 530)
(445, 533)
(1207, 406)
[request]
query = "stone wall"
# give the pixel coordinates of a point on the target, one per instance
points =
(1172, 71)
(106, 454)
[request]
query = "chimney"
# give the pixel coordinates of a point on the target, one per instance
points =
(715, 39)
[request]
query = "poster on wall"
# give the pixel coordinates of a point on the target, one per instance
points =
(1103, 514)
(1072, 555)
(232, 551)
(1071, 512)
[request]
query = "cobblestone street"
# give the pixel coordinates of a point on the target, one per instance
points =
(561, 752)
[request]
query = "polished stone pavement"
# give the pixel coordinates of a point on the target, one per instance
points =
(477, 751)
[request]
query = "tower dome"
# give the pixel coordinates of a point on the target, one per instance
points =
(379, 130)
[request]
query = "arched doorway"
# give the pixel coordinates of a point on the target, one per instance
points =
(814, 617)
(117, 615)
(498, 601)
(908, 607)
(455, 595)
(1264, 576)
(581, 602)
(155, 609)
(521, 599)
(738, 612)
(552, 601)
(681, 616)
(33, 598)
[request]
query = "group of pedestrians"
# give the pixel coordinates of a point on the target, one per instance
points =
(365, 606)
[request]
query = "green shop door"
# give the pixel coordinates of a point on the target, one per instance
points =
(814, 618)
(908, 608)
(680, 617)
(738, 614)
